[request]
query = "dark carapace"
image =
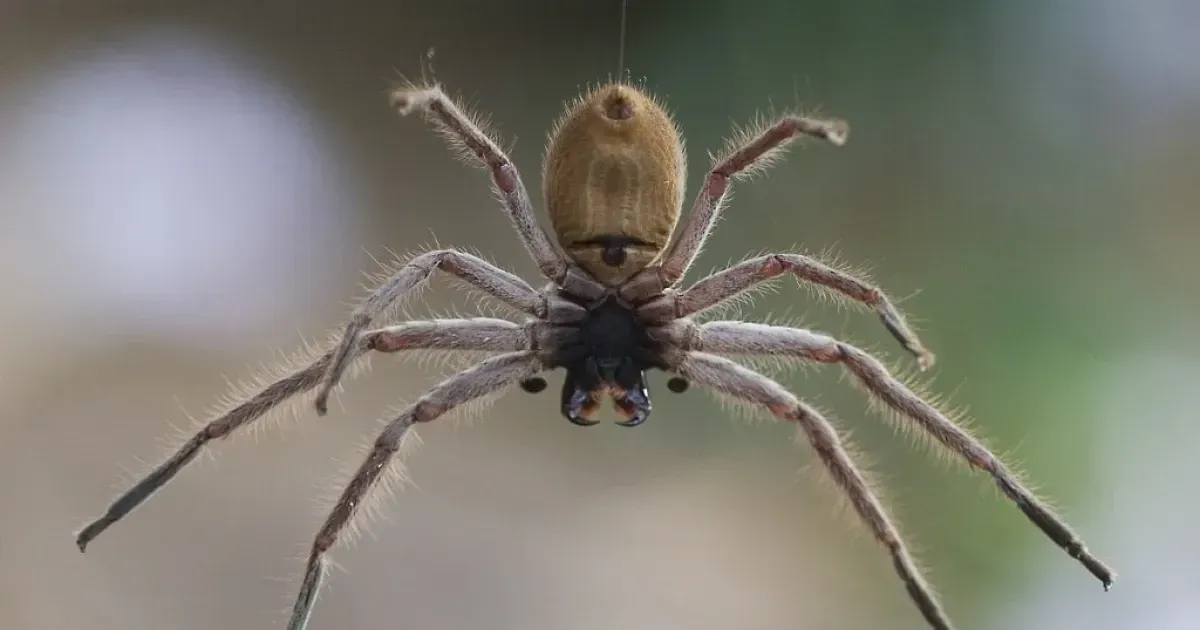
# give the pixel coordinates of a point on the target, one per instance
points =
(607, 356)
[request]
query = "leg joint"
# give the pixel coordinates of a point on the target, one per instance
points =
(324, 542)
(217, 429)
(774, 266)
(830, 353)
(659, 310)
(427, 410)
(504, 174)
(717, 183)
(380, 341)
(872, 295)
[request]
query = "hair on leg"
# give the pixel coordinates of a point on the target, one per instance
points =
(471, 140)
(449, 334)
(484, 378)
(729, 378)
(485, 276)
(750, 150)
(473, 334)
(742, 338)
(726, 284)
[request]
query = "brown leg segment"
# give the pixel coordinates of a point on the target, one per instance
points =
(726, 284)
(759, 149)
(731, 379)
(450, 334)
(482, 379)
(741, 338)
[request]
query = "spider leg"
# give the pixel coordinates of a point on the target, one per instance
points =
(726, 284)
(447, 334)
(729, 378)
(484, 378)
(761, 147)
(491, 279)
(466, 135)
(742, 338)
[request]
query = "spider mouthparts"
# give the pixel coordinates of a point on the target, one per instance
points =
(580, 422)
(579, 406)
(581, 401)
(633, 404)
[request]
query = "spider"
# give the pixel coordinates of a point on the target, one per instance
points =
(614, 307)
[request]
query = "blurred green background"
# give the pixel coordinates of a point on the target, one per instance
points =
(187, 188)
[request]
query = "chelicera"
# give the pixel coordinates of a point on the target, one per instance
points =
(614, 307)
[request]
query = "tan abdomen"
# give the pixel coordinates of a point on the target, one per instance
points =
(613, 181)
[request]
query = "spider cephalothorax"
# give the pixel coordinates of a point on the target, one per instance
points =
(607, 354)
(614, 307)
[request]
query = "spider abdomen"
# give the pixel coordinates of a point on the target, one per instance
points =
(613, 181)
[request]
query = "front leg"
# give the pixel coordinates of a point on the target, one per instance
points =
(470, 138)
(724, 285)
(476, 271)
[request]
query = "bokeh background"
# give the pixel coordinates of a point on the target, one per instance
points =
(188, 188)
